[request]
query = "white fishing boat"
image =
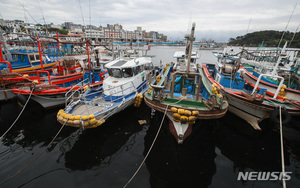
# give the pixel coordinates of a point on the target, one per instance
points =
(127, 79)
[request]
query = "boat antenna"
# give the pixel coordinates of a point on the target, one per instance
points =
(293, 36)
(287, 25)
(249, 25)
(27, 12)
(81, 13)
(43, 16)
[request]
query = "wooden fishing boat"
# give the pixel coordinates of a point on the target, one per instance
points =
(252, 76)
(49, 88)
(246, 100)
(184, 96)
(58, 89)
(25, 59)
(264, 67)
(128, 78)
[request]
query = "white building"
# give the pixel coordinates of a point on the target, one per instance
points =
(94, 34)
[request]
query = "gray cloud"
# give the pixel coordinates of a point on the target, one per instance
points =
(216, 19)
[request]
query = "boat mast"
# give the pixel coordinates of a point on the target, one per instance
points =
(278, 60)
(287, 25)
(191, 38)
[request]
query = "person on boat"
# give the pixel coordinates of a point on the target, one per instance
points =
(160, 66)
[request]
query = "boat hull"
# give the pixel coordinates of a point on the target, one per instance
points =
(6, 94)
(291, 94)
(253, 111)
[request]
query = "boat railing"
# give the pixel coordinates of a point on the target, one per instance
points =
(38, 75)
(113, 96)
(71, 93)
(269, 75)
(8, 63)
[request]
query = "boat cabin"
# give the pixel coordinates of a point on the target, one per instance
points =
(127, 69)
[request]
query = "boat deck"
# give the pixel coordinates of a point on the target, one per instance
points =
(91, 107)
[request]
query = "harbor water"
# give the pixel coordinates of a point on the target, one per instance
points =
(213, 156)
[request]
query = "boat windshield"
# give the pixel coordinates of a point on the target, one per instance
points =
(127, 72)
(148, 66)
(136, 70)
(114, 72)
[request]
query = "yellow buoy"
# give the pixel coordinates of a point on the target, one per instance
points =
(77, 117)
(177, 120)
(181, 111)
(86, 123)
(92, 116)
(176, 116)
(71, 117)
(192, 118)
(183, 119)
(93, 121)
(76, 122)
(195, 113)
(174, 110)
(187, 112)
(84, 118)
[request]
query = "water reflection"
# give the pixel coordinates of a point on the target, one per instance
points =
(259, 151)
(256, 151)
(33, 127)
(98, 147)
(190, 164)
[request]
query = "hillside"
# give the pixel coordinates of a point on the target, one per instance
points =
(271, 39)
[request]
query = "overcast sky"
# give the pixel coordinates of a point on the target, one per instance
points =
(215, 19)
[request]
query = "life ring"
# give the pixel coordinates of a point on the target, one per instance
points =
(285, 116)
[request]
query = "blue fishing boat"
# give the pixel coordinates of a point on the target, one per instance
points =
(246, 100)
(25, 59)
(128, 79)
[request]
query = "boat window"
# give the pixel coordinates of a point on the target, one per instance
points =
(31, 57)
(127, 72)
(136, 70)
(114, 72)
(37, 57)
(147, 66)
(22, 58)
(142, 68)
(15, 57)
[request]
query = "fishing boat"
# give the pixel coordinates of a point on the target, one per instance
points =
(181, 60)
(290, 90)
(25, 59)
(49, 88)
(184, 97)
(283, 67)
(246, 100)
(55, 91)
(128, 78)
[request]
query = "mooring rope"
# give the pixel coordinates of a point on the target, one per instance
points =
(18, 115)
(149, 148)
(19, 171)
(3, 90)
(282, 151)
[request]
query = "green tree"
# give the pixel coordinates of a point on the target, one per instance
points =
(268, 38)
(63, 31)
